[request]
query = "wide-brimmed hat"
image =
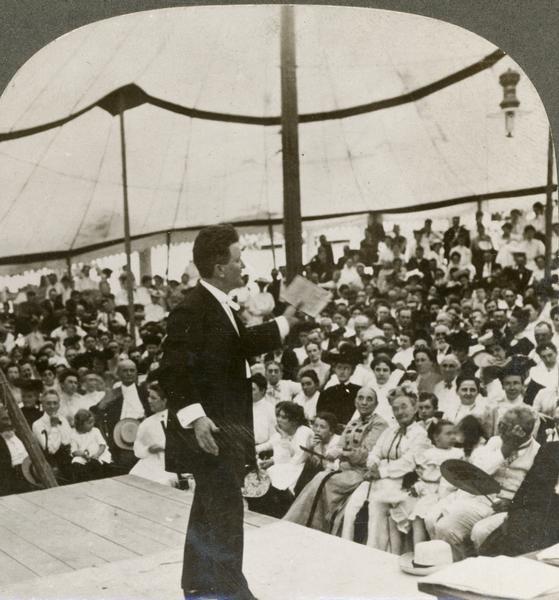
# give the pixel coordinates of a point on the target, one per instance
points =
(125, 432)
(427, 558)
(469, 478)
(28, 471)
(346, 354)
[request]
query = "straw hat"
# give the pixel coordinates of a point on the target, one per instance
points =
(428, 557)
(124, 433)
(28, 471)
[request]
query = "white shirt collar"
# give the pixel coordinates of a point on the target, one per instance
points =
(220, 296)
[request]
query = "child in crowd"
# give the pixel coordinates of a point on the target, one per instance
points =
(427, 412)
(88, 448)
(431, 487)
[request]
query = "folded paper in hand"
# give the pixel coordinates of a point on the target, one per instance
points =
(499, 577)
(307, 296)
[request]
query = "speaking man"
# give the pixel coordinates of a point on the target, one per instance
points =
(206, 375)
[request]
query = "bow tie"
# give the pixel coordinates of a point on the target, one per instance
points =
(275, 388)
(448, 385)
(232, 305)
(55, 421)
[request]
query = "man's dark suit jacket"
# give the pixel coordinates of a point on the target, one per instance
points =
(107, 412)
(520, 277)
(204, 363)
(533, 518)
(5, 468)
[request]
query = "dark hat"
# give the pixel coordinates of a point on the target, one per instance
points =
(346, 354)
(31, 385)
(517, 365)
(72, 340)
(107, 272)
(151, 339)
(459, 340)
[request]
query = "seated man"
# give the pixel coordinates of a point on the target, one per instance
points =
(12, 454)
(126, 400)
(508, 457)
(53, 433)
(532, 521)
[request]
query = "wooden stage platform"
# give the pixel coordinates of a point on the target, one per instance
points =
(122, 538)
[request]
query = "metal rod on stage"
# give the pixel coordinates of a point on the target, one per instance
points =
(549, 210)
(271, 233)
(127, 246)
(42, 468)
(290, 145)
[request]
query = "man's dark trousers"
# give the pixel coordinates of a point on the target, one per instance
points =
(213, 551)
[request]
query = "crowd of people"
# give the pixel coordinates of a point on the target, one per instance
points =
(441, 346)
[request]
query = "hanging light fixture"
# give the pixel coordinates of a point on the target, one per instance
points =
(509, 80)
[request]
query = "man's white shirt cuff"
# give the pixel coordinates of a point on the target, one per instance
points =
(283, 326)
(189, 414)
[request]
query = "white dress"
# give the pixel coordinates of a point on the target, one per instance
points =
(89, 441)
(152, 465)
(289, 459)
(431, 487)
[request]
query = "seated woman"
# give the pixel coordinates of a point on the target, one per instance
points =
(309, 394)
(391, 458)
(329, 493)
(472, 403)
(324, 443)
(88, 448)
(287, 461)
(149, 446)
(386, 378)
(263, 413)
(428, 375)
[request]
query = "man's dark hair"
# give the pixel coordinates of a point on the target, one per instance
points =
(260, 381)
(211, 247)
(432, 398)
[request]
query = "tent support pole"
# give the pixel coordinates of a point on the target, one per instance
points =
(69, 265)
(21, 427)
(271, 234)
(549, 209)
(168, 244)
(127, 245)
(290, 144)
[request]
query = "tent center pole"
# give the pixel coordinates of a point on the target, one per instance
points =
(127, 245)
(290, 144)
(549, 210)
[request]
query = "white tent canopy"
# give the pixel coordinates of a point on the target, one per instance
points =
(61, 188)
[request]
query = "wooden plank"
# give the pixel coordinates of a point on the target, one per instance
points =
(12, 570)
(183, 497)
(68, 542)
(157, 509)
(251, 518)
(38, 561)
(137, 534)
